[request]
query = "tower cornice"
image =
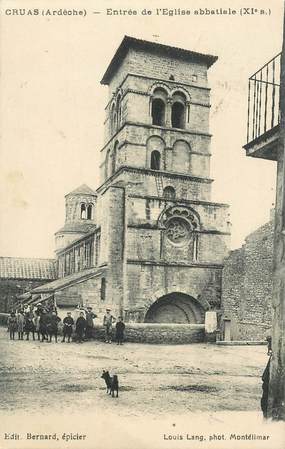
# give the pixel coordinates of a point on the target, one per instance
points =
(150, 172)
(175, 52)
(150, 126)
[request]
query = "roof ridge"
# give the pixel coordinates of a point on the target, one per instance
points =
(82, 189)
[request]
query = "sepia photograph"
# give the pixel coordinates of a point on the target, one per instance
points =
(142, 226)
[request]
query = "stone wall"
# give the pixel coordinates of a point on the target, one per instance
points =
(158, 333)
(247, 286)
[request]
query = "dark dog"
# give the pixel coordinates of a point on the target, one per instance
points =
(112, 383)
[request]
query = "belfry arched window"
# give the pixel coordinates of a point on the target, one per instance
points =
(178, 115)
(83, 211)
(158, 112)
(158, 107)
(155, 160)
(89, 211)
(169, 192)
(178, 110)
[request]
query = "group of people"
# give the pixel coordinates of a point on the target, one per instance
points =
(42, 323)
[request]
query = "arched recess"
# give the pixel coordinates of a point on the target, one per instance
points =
(181, 157)
(176, 307)
(169, 192)
(160, 86)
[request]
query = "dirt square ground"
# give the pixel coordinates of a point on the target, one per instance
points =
(153, 379)
(168, 387)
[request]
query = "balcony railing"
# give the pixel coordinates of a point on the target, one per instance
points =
(263, 99)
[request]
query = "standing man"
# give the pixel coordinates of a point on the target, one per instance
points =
(89, 316)
(12, 325)
(43, 324)
(120, 329)
(107, 323)
(80, 327)
(68, 322)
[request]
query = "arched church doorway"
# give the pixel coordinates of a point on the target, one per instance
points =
(175, 308)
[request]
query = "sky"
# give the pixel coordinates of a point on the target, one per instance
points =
(52, 105)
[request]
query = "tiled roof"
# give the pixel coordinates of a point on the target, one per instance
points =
(27, 268)
(67, 281)
(82, 190)
(77, 227)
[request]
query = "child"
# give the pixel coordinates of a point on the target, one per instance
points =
(120, 328)
(52, 326)
(68, 322)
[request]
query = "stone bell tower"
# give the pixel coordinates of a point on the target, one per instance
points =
(158, 113)
(157, 145)
(80, 216)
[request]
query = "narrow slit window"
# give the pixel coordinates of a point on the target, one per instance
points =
(103, 289)
(155, 160)
(83, 211)
(90, 212)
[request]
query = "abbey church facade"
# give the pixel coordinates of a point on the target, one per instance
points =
(149, 243)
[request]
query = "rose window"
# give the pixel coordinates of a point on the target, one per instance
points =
(178, 230)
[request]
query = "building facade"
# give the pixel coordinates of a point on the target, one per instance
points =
(150, 242)
(19, 275)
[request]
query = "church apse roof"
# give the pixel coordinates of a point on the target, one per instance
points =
(84, 189)
(67, 281)
(175, 52)
(27, 268)
(77, 227)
